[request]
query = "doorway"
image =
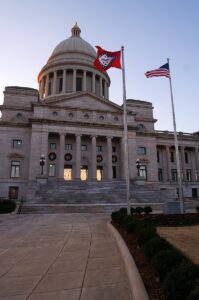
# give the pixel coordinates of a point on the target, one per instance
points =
(99, 174)
(84, 173)
(68, 172)
(13, 192)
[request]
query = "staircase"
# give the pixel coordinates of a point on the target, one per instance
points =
(88, 196)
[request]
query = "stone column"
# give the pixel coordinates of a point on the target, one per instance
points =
(61, 155)
(55, 83)
(47, 83)
(109, 158)
(193, 166)
(168, 163)
(122, 160)
(74, 80)
(44, 149)
(183, 164)
(42, 89)
(197, 162)
(106, 90)
(64, 82)
(93, 83)
(78, 156)
(84, 81)
(94, 159)
(100, 83)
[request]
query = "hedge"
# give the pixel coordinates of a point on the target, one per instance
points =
(7, 206)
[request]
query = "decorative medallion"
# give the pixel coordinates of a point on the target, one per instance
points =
(52, 156)
(68, 156)
(99, 158)
(114, 159)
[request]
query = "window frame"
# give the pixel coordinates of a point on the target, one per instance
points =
(52, 147)
(141, 150)
(51, 171)
(68, 147)
(15, 144)
(15, 169)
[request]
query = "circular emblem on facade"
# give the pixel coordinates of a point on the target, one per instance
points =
(99, 158)
(114, 159)
(52, 156)
(101, 118)
(68, 156)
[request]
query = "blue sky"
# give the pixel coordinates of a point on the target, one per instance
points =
(150, 31)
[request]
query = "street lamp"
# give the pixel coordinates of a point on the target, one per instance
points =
(42, 163)
(138, 165)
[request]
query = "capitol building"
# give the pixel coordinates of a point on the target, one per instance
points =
(69, 131)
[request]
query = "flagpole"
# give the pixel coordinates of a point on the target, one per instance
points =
(126, 155)
(176, 148)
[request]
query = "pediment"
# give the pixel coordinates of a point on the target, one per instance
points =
(15, 156)
(84, 101)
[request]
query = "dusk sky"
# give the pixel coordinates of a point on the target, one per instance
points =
(151, 31)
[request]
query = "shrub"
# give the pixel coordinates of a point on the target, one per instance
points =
(155, 245)
(197, 209)
(7, 206)
(145, 234)
(130, 224)
(133, 210)
(181, 281)
(165, 260)
(119, 215)
(194, 295)
(147, 210)
(139, 210)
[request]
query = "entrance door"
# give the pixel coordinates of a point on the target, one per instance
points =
(114, 172)
(13, 192)
(99, 174)
(67, 172)
(84, 173)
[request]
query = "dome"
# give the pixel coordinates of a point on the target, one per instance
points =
(74, 44)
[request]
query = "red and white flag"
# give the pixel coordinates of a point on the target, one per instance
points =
(106, 59)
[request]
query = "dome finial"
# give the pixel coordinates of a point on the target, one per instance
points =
(76, 30)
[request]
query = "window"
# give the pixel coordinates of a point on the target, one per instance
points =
(78, 84)
(188, 174)
(158, 156)
(172, 156)
(52, 170)
(173, 174)
(53, 146)
(17, 144)
(160, 175)
(68, 147)
(143, 172)
(60, 84)
(99, 148)
(194, 192)
(114, 149)
(141, 150)
(15, 169)
(186, 157)
(84, 147)
(49, 88)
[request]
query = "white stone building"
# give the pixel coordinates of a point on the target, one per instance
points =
(79, 131)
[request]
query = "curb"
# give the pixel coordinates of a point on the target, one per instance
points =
(136, 284)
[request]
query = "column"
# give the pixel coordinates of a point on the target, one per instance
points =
(44, 149)
(61, 155)
(193, 166)
(74, 80)
(84, 81)
(168, 163)
(106, 90)
(109, 158)
(183, 164)
(42, 89)
(93, 84)
(55, 83)
(94, 159)
(64, 82)
(197, 162)
(100, 83)
(78, 156)
(47, 83)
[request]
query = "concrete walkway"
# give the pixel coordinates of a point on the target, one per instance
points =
(60, 256)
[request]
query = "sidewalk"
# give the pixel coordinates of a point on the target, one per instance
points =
(59, 257)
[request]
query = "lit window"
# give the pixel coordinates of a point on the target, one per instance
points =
(84, 147)
(53, 146)
(143, 172)
(15, 169)
(17, 144)
(141, 150)
(52, 170)
(99, 148)
(68, 147)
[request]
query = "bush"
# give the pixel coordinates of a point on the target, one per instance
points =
(119, 215)
(165, 260)
(155, 245)
(145, 234)
(139, 210)
(147, 210)
(194, 295)
(7, 206)
(181, 281)
(197, 209)
(130, 224)
(133, 210)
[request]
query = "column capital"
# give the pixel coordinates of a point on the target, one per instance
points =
(93, 136)
(61, 133)
(78, 134)
(109, 137)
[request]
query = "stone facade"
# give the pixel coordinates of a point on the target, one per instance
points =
(79, 131)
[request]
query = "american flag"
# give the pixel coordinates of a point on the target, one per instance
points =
(161, 71)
